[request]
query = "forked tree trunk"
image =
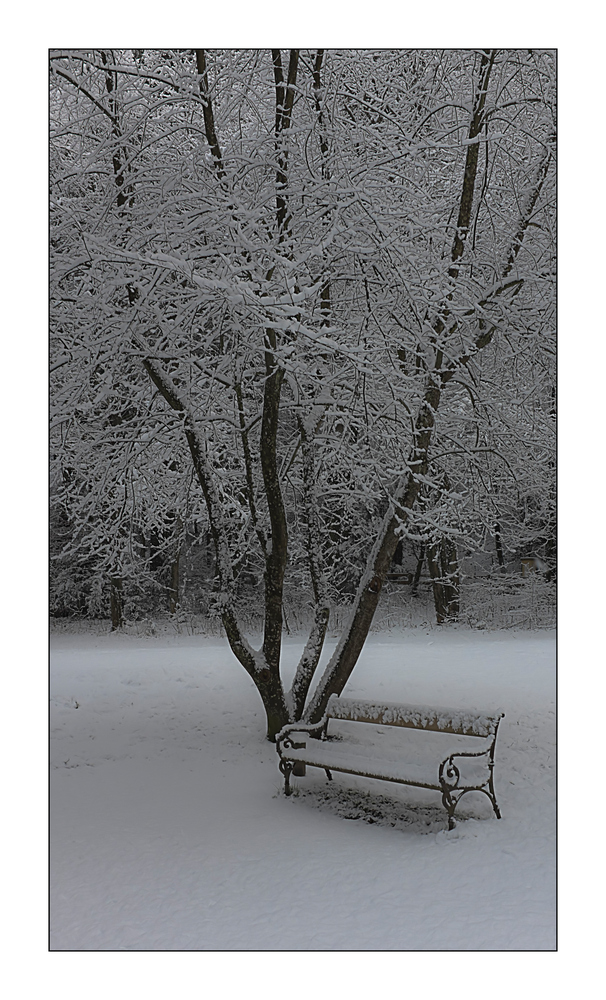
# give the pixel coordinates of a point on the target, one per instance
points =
(263, 665)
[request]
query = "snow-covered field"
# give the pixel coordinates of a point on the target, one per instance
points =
(170, 830)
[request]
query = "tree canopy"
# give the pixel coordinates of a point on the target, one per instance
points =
(305, 299)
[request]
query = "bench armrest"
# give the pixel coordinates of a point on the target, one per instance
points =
(450, 774)
(283, 739)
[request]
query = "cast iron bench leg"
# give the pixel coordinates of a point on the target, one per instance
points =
(286, 769)
(450, 805)
(492, 796)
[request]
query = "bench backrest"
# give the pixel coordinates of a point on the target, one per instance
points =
(459, 722)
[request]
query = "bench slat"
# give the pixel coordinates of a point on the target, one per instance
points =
(326, 755)
(458, 722)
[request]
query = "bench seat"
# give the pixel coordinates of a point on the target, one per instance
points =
(329, 755)
(335, 756)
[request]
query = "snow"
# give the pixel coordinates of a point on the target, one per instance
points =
(170, 830)
(416, 716)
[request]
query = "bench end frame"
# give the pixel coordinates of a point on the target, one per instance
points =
(450, 776)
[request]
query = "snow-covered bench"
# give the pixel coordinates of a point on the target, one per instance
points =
(372, 753)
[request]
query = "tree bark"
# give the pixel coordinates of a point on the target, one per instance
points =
(285, 96)
(325, 300)
(418, 571)
(275, 566)
(208, 113)
(173, 593)
(116, 602)
(308, 663)
(119, 156)
(499, 547)
(444, 572)
(471, 160)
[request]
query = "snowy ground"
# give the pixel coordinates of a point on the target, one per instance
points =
(170, 829)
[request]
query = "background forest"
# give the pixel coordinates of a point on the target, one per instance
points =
(303, 343)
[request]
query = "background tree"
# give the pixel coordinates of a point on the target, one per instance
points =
(316, 290)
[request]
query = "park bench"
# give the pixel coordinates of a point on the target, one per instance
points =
(367, 749)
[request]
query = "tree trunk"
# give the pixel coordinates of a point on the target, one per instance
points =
(418, 571)
(116, 602)
(120, 155)
(499, 547)
(208, 114)
(444, 571)
(269, 686)
(173, 593)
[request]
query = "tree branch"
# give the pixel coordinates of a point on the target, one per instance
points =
(313, 649)
(207, 111)
(83, 90)
(169, 391)
(275, 565)
(284, 103)
(471, 161)
(248, 469)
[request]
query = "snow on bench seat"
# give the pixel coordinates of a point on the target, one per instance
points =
(440, 720)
